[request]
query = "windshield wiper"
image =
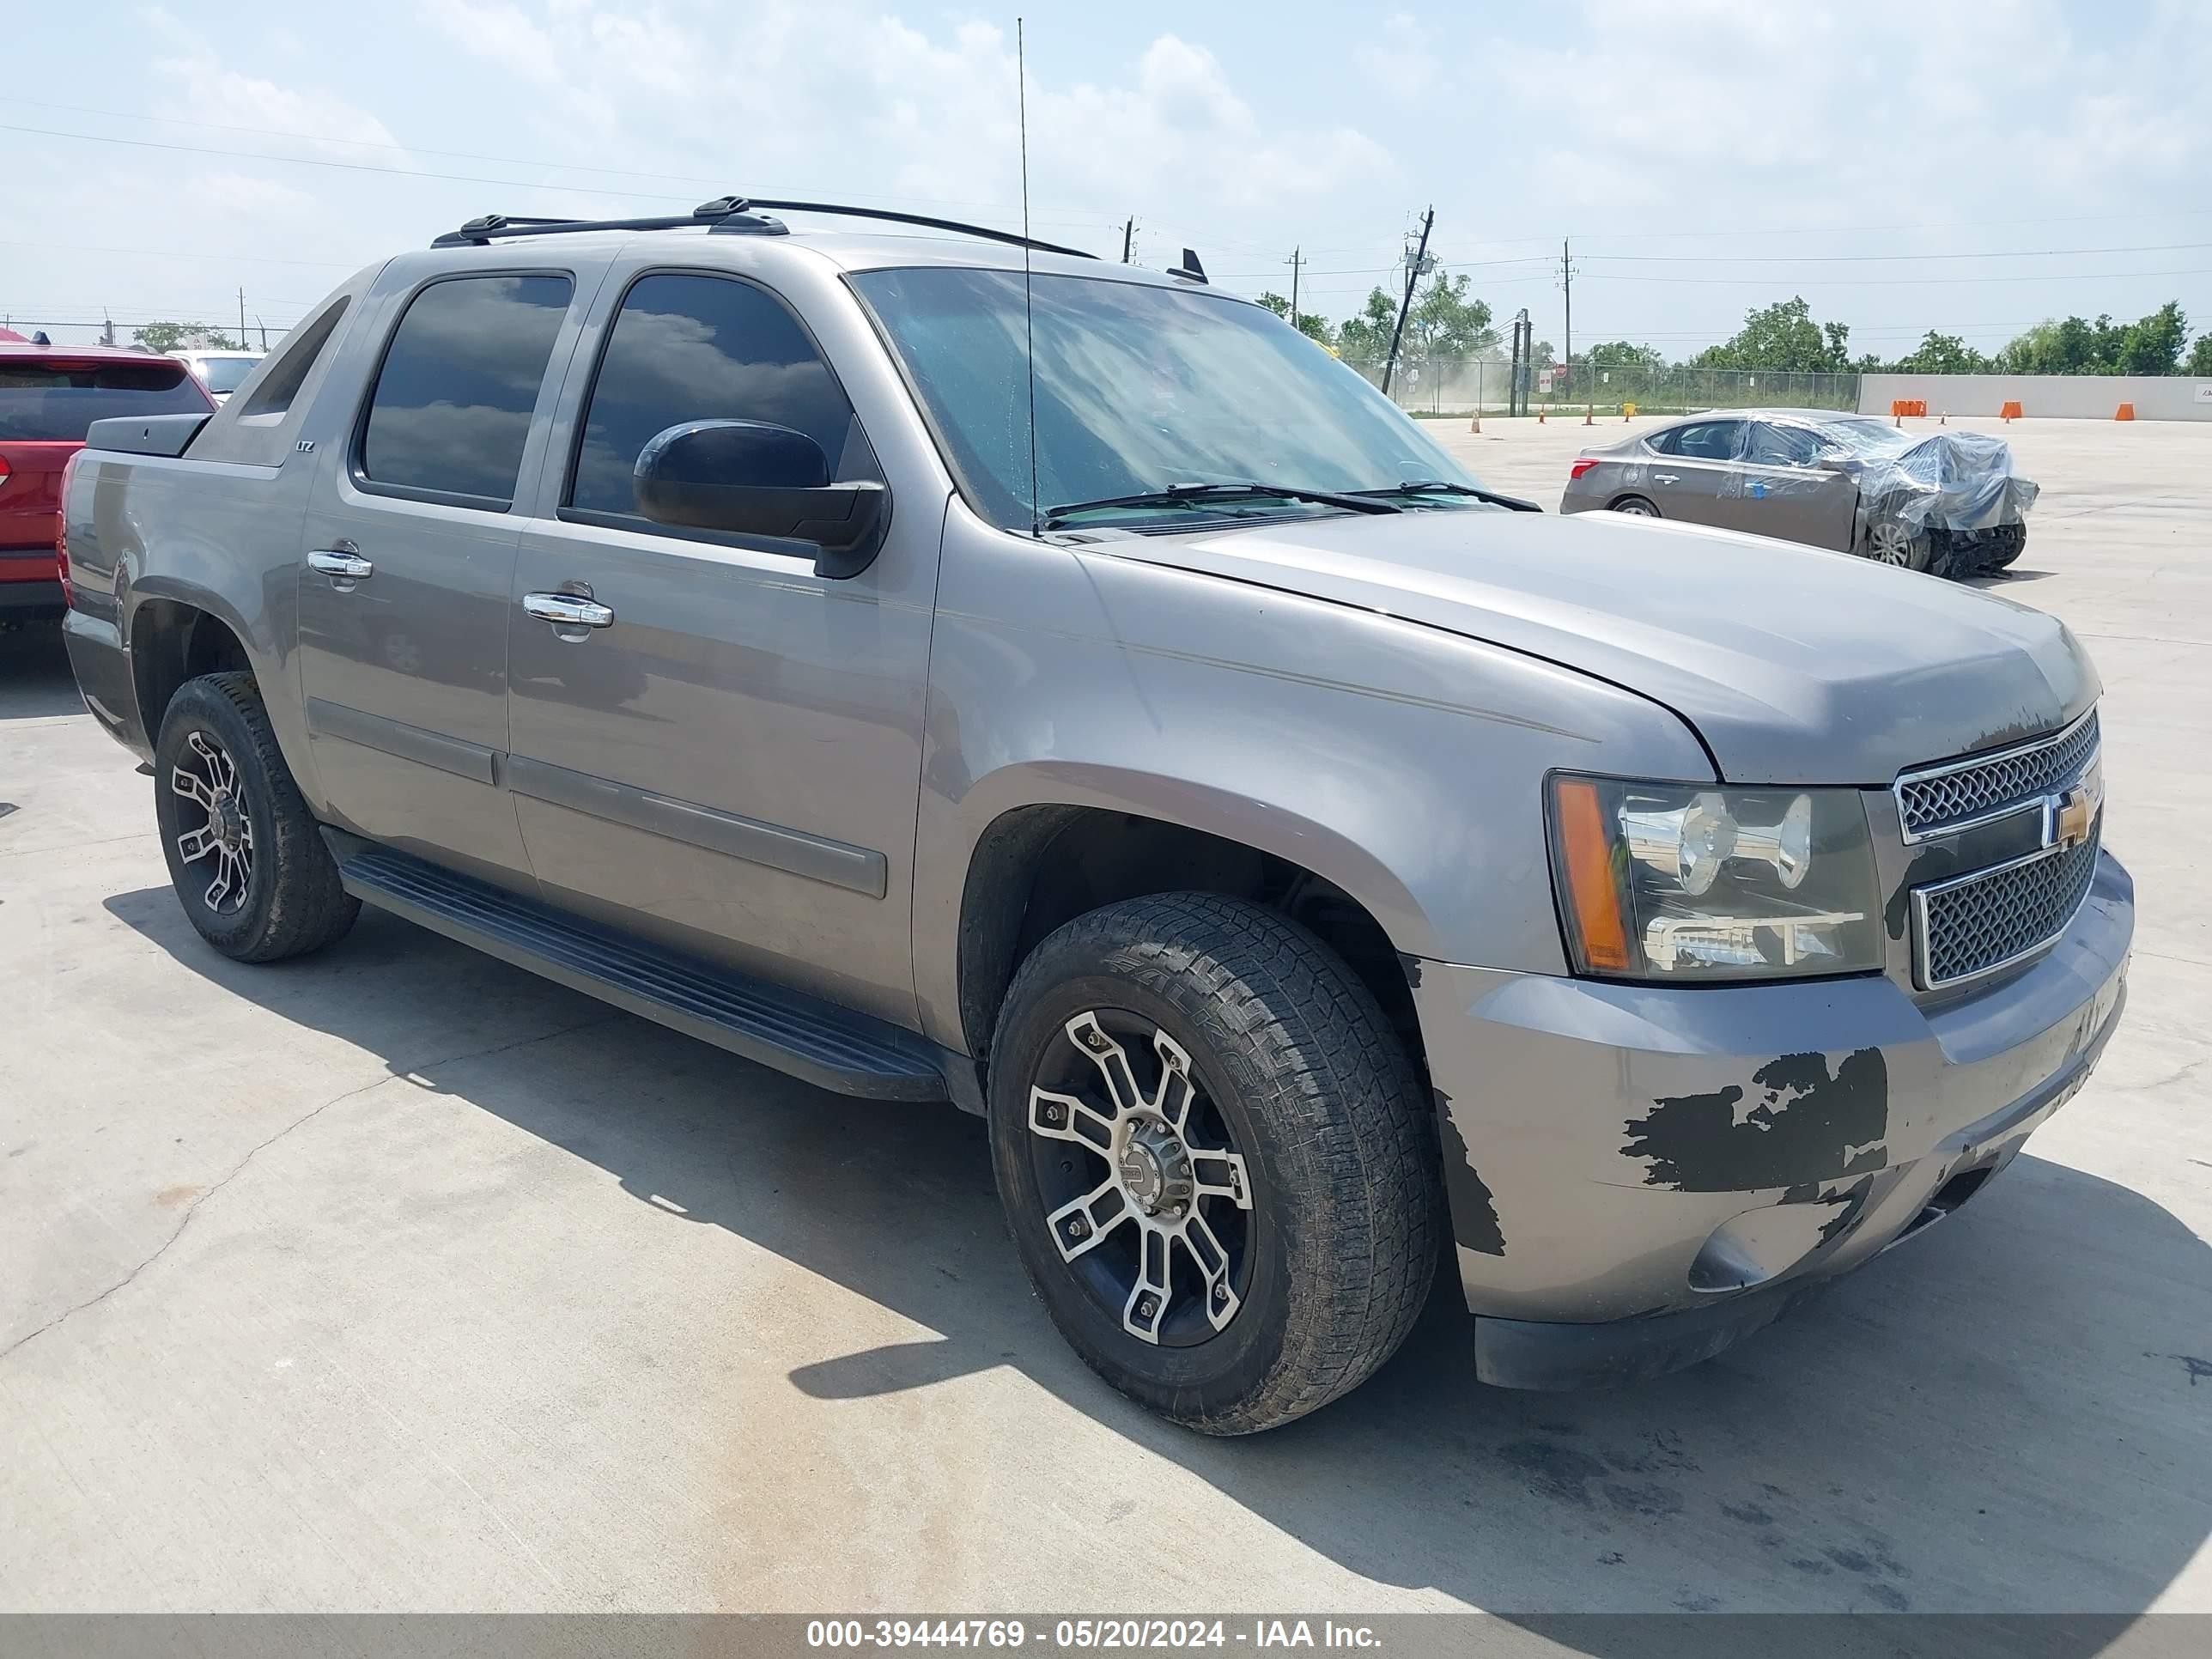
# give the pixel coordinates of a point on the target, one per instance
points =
(1193, 493)
(1440, 487)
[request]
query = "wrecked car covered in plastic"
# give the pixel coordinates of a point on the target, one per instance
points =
(1952, 503)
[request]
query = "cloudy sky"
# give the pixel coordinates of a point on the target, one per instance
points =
(1904, 164)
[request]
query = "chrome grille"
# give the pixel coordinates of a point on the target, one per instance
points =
(1981, 923)
(1939, 800)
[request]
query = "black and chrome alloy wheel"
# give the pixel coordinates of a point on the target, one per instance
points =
(1149, 1201)
(215, 830)
(247, 858)
(1219, 1166)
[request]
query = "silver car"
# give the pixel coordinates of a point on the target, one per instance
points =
(1949, 502)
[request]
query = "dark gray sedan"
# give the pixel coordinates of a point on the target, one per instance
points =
(1949, 502)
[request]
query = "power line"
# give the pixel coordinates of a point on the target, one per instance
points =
(1864, 259)
(404, 173)
(187, 253)
(461, 156)
(1948, 224)
(1895, 282)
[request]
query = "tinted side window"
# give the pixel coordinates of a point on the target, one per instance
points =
(293, 359)
(1783, 446)
(699, 348)
(1707, 440)
(454, 400)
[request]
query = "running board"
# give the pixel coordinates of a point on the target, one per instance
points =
(830, 1046)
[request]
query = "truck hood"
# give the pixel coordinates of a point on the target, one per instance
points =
(1795, 665)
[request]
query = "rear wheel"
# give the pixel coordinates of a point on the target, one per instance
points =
(1216, 1160)
(244, 852)
(1636, 507)
(1893, 542)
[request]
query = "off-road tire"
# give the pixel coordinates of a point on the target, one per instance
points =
(1337, 1134)
(293, 902)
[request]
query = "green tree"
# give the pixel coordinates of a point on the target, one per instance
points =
(1782, 338)
(1443, 324)
(2200, 356)
(1942, 354)
(2152, 344)
(2073, 345)
(1619, 354)
(1364, 340)
(1313, 326)
(173, 336)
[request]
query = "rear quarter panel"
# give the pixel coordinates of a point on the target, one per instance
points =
(220, 537)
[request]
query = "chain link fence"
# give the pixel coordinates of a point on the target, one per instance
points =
(1456, 386)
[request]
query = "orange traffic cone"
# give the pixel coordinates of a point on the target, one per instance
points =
(1539, 417)
(2126, 412)
(1590, 414)
(1475, 425)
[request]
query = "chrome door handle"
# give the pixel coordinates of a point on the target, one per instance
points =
(567, 610)
(1666, 477)
(341, 564)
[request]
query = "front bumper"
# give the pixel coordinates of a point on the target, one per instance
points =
(1640, 1175)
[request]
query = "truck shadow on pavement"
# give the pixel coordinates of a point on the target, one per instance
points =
(35, 681)
(2006, 1415)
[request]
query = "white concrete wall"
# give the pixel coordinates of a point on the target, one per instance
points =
(2079, 396)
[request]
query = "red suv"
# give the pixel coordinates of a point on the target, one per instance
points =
(48, 396)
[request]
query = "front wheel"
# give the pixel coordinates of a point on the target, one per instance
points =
(1216, 1160)
(2011, 541)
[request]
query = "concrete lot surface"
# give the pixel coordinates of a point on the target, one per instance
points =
(396, 1279)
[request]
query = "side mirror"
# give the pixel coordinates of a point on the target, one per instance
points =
(751, 478)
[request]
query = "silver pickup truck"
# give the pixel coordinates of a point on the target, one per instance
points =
(954, 669)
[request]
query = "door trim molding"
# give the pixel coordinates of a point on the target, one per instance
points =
(472, 761)
(858, 869)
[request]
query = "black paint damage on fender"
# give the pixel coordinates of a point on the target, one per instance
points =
(1805, 1125)
(1473, 1210)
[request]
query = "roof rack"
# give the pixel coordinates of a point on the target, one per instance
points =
(732, 214)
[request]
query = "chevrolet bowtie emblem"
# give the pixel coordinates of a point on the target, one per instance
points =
(2072, 814)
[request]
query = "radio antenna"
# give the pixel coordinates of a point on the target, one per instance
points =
(1028, 325)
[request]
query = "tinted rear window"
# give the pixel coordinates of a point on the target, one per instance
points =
(55, 403)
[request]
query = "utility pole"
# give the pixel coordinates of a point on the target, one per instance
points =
(1296, 259)
(241, 319)
(1128, 234)
(1567, 286)
(1414, 267)
(107, 328)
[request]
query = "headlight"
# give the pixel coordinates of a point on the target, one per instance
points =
(1676, 881)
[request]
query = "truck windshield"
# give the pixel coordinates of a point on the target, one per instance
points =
(1139, 388)
(55, 403)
